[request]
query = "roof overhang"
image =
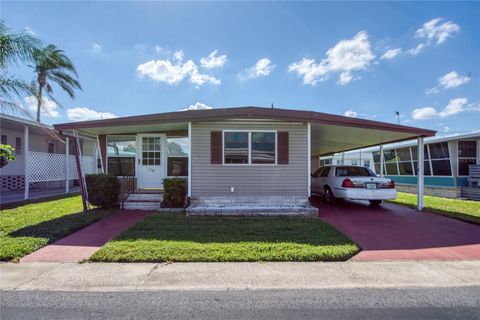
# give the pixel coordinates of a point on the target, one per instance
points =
(330, 133)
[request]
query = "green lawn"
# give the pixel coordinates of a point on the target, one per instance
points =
(460, 209)
(29, 227)
(177, 237)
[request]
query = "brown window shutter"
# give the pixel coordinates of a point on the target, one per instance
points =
(282, 140)
(216, 147)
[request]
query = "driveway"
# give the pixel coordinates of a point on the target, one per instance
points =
(394, 232)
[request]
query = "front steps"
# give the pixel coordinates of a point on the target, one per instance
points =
(143, 201)
(251, 206)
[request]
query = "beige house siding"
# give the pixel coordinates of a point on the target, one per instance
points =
(249, 180)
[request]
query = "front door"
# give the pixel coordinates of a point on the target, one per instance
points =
(150, 161)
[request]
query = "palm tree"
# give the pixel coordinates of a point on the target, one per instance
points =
(14, 49)
(52, 65)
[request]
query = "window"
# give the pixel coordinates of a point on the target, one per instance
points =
(390, 162)
(151, 151)
(177, 156)
(426, 157)
(4, 139)
(376, 161)
(405, 166)
(18, 145)
(354, 162)
(256, 147)
(467, 155)
(263, 147)
(324, 162)
(51, 147)
(353, 172)
(440, 159)
(339, 161)
(121, 153)
(121, 166)
(235, 147)
(325, 172)
(366, 163)
(121, 146)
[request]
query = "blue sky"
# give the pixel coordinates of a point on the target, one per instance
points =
(360, 59)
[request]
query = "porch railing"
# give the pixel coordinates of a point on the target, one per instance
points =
(127, 187)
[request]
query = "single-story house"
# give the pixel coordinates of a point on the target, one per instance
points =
(244, 155)
(447, 162)
(44, 166)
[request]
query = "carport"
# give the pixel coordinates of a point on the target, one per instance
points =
(333, 134)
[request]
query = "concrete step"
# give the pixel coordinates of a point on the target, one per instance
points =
(133, 205)
(145, 197)
(252, 210)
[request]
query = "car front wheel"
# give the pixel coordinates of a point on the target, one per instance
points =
(375, 203)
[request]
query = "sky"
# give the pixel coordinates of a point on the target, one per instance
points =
(365, 60)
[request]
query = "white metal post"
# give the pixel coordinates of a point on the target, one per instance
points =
(381, 160)
(420, 174)
(26, 164)
(309, 159)
(67, 169)
(189, 182)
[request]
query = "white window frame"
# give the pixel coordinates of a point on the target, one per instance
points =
(249, 131)
(458, 157)
(187, 156)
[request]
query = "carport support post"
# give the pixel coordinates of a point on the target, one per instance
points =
(26, 161)
(67, 169)
(381, 160)
(420, 174)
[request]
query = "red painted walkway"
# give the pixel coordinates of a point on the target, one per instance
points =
(394, 232)
(85, 242)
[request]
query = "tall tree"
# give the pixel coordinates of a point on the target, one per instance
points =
(15, 48)
(53, 66)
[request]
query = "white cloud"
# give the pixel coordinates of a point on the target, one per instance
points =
(262, 68)
(97, 48)
(436, 31)
(197, 106)
(446, 129)
(48, 109)
(453, 107)
(213, 61)
(84, 114)
(346, 56)
(161, 50)
(350, 113)
(392, 53)
(415, 51)
(30, 31)
(450, 80)
(474, 107)
(174, 71)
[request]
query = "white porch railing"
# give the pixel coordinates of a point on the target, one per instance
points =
(43, 166)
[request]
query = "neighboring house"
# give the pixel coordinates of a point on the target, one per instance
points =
(41, 161)
(233, 156)
(354, 158)
(447, 160)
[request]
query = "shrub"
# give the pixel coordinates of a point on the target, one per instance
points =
(175, 193)
(6, 154)
(103, 190)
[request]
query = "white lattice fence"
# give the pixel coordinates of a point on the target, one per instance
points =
(53, 167)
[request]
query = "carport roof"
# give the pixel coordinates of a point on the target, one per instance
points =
(327, 129)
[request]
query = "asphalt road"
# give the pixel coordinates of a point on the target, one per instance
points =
(412, 303)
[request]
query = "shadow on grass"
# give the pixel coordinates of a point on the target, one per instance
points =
(57, 228)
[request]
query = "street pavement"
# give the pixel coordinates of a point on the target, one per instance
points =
(343, 290)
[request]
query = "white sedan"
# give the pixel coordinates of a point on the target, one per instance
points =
(352, 182)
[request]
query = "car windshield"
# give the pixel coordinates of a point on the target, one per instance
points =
(353, 172)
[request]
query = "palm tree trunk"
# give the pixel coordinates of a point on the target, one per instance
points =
(39, 103)
(41, 82)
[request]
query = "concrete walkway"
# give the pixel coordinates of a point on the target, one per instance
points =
(395, 232)
(109, 277)
(82, 244)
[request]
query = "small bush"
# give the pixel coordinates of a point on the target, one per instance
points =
(175, 193)
(103, 190)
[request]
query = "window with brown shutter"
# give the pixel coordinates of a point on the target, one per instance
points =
(216, 147)
(282, 138)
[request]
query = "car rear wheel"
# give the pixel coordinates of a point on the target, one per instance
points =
(328, 196)
(375, 203)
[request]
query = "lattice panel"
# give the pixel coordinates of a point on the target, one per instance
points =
(53, 167)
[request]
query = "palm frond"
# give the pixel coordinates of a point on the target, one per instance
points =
(16, 47)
